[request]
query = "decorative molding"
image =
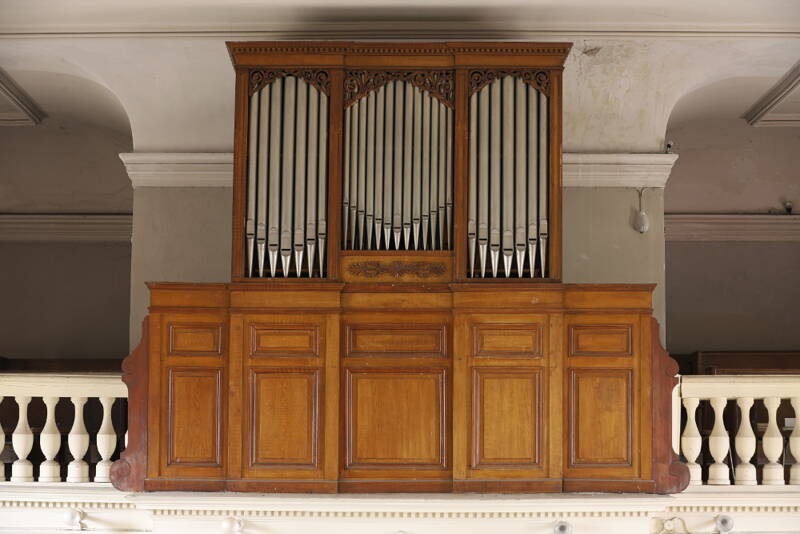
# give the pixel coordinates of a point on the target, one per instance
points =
(261, 77)
(705, 227)
(538, 79)
(439, 83)
(398, 269)
(760, 113)
(179, 169)
(29, 113)
(65, 227)
(617, 170)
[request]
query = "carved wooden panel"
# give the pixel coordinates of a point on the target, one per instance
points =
(276, 340)
(433, 267)
(507, 340)
(194, 417)
(396, 340)
(285, 418)
(199, 339)
(608, 340)
(600, 417)
(507, 418)
(396, 419)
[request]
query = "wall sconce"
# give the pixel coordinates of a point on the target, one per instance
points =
(641, 222)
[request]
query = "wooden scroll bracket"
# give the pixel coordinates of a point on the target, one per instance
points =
(128, 473)
(670, 474)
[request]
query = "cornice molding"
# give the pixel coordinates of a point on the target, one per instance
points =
(179, 169)
(760, 114)
(29, 113)
(617, 170)
(41, 227)
(738, 227)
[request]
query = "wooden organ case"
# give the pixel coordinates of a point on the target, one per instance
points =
(396, 321)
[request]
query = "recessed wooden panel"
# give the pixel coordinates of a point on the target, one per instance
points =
(395, 418)
(275, 340)
(600, 417)
(395, 340)
(285, 418)
(194, 416)
(507, 341)
(195, 339)
(601, 340)
(507, 418)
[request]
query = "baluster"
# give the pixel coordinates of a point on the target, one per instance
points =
(794, 443)
(691, 441)
(719, 445)
(745, 445)
(772, 443)
(50, 443)
(2, 446)
(106, 442)
(78, 440)
(22, 440)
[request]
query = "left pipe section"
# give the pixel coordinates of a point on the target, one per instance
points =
(285, 225)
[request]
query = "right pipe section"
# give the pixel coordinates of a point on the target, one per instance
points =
(508, 181)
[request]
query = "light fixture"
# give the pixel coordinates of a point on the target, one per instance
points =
(562, 527)
(641, 222)
(724, 523)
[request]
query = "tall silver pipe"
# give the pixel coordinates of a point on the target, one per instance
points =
(495, 175)
(301, 124)
(346, 176)
(520, 178)
(312, 178)
(397, 201)
(483, 179)
(362, 171)
(426, 168)
(416, 187)
(442, 194)
(507, 202)
(533, 184)
(543, 179)
(263, 161)
(472, 215)
(434, 199)
(380, 111)
(252, 172)
(322, 177)
(275, 147)
(287, 174)
(353, 173)
(408, 128)
(388, 166)
(449, 181)
(369, 208)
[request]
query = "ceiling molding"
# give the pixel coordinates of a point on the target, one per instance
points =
(179, 169)
(759, 113)
(617, 170)
(39, 227)
(708, 227)
(28, 114)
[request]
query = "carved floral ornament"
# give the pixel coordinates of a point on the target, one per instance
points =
(262, 77)
(398, 269)
(439, 83)
(538, 79)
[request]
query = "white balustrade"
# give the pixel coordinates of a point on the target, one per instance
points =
(715, 392)
(79, 388)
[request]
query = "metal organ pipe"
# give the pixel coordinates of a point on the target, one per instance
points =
(400, 157)
(287, 180)
(508, 180)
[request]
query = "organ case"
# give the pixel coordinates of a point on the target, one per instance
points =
(395, 320)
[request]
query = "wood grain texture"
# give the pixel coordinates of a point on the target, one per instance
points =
(194, 417)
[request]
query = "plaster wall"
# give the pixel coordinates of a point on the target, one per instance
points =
(601, 246)
(180, 234)
(64, 300)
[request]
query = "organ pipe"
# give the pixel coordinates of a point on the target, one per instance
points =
(508, 180)
(399, 160)
(287, 180)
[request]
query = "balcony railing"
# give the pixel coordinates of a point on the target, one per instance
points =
(63, 426)
(740, 429)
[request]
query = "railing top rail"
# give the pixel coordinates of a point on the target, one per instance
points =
(62, 385)
(737, 386)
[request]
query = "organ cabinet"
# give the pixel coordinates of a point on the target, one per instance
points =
(395, 319)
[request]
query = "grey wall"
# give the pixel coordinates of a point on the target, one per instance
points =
(64, 300)
(180, 234)
(600, 245)
(733, 296)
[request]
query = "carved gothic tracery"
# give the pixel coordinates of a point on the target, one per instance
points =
(538, 79)
(262, 77)
(398, 269)
(439, 83)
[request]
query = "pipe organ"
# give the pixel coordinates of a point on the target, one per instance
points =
(395, 320)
